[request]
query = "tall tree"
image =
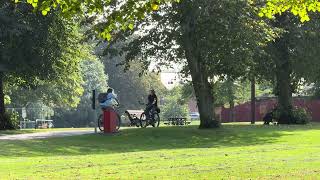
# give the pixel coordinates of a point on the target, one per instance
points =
(207, 38)
(291, 60)
(45, 47)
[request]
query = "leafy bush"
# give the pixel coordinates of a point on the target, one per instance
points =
(295, 116)
(174, 105)
(174, 109)
(9, 121)
(300, 116)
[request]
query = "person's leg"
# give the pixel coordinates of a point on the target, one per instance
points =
(153, 108)
(148, 109)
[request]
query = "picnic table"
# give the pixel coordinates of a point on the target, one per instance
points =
(177, 121)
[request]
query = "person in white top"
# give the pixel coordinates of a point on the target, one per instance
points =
(111, 100)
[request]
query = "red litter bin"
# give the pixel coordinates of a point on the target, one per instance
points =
(110, 120)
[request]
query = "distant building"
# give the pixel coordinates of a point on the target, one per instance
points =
(170, 79)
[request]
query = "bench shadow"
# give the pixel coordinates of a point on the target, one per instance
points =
(150, 139)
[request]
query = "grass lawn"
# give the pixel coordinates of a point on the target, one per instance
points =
(28, 131)
(236, 151)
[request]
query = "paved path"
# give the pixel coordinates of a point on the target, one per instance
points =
(44, 135)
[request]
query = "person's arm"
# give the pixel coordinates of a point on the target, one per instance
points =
(117, 101)
(115, 98)
(155, 100)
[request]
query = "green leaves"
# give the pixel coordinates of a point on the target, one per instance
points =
(131, 26)
(106, 35)
(49, 50)
(155, 6)
(45, 11)
(296, 7)
(7, 99)
(34, 3)
(120, 16)
(174, 105)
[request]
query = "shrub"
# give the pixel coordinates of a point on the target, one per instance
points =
(10, 120)
(300, 116)
(295, 116)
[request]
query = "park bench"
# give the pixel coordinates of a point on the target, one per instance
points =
(134, 113)
(177, 121)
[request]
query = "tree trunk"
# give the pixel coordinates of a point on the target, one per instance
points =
(283, 72)
(253, 101)
(231, 115)
(202, 88)
(204, 97)
(197, 65)
(284, 93)
(3, 120)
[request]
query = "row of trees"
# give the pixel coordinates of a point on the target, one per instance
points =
(224, 39)
(47, 62)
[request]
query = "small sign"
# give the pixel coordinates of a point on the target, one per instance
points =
(24, 113)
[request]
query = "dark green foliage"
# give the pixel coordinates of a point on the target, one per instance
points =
(79, 117)
(94, 77)
(210, 38)
(301, 116)
(292, 60)
(42, 56)
(174, 105)
(10, 120)
(295, 116)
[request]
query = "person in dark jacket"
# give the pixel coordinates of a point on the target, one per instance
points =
(152, 102)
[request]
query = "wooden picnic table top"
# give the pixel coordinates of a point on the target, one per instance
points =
(177, 118)
(177, 121)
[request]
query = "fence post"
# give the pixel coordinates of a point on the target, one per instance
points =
(253, 101)
(94, 111)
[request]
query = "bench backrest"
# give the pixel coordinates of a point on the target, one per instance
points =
(136, 113)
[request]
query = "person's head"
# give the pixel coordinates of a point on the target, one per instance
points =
(110, 90)
(152, 92)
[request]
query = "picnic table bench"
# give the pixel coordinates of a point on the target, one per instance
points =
(177, 121)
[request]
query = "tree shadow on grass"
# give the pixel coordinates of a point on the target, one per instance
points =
(136, 140)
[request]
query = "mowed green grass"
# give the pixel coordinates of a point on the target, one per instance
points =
(236, 151)
(28, 131)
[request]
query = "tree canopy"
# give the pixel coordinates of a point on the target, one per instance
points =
(123, 15)
(210, 38)
(296, 7)
(117, 15)
(48, 48)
